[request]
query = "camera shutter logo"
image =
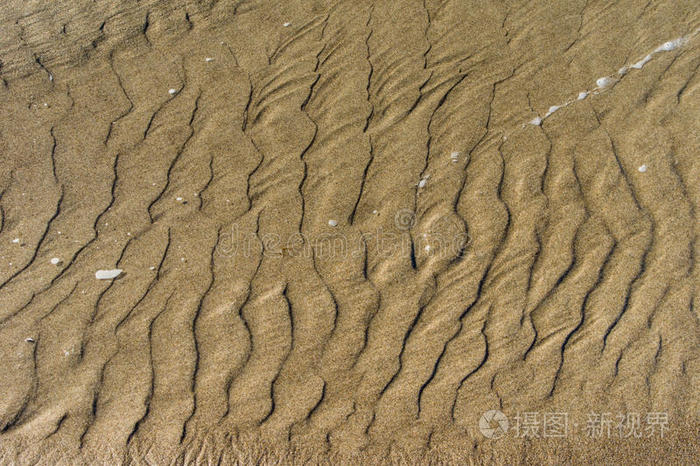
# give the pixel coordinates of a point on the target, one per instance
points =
(493, 424)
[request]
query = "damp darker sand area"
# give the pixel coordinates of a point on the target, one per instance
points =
(349, 232)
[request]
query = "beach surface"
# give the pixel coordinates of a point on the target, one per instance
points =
(349, 232)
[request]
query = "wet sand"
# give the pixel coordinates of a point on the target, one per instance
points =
(347, 230)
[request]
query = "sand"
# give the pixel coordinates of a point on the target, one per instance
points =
(349, 232)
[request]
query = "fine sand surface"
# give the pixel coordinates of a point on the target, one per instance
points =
(348, 229)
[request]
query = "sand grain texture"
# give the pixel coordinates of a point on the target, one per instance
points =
(341, 236)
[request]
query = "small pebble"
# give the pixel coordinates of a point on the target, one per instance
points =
(582, 95)
(603, 82)
(287, 24)
(172, 91)
(16, 240)
(55, 261)
(107, 274)
(642, 169)
(29, 340)
(332, 223)
(208, 59)
(537, 121)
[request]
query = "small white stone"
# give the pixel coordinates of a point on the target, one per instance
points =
(208, 59)
(423, 181)
(172, 91)
(287, 24)
(332, 223)
(582, 95)
(29, 340)
(622, 71)
(151, 268)
(16, 240)
(427, 248)
(178, 199)
(603, 82)
(107, 274)
(642, 169)
(66, 353)
(375, 212)
(55, 261)
(537, 121)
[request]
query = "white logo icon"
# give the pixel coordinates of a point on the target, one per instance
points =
(493, 424)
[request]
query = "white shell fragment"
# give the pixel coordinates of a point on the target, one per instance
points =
(333, 223)
(642, 169)
(55, 261)
(107, 274)
(172, 91)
